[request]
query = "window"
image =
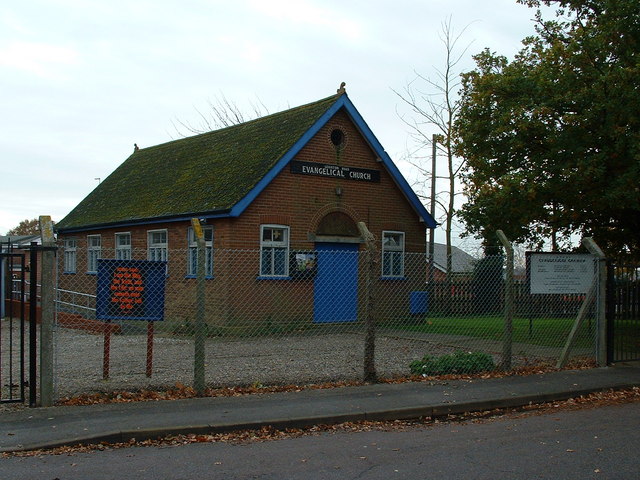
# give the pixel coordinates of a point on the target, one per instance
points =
(123, 246)
(274, 251)
(337, 137)
(70, 249)
(93, 252)
(192, 267)
(392, 254)
(158, 247)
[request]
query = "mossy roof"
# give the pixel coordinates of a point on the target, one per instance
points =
(199, 175)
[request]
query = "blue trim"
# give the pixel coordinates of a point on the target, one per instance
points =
(406, 189)
(206, 277)
(342, 102)
(133, 223)
(241, 206)
(262, 277)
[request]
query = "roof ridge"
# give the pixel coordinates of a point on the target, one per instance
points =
(237, 125)
(166, 181)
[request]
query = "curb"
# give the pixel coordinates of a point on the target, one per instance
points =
(408, 413)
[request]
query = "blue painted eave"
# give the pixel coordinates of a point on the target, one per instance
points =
(342, 102)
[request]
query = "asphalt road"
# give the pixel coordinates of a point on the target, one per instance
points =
(599, 443)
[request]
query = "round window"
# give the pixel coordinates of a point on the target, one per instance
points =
(337, 137)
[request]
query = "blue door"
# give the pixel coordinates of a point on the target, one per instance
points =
(336, 283)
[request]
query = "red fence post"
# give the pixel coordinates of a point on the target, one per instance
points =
(149, 348)
(107, 351)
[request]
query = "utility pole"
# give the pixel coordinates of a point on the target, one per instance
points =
(432, 233)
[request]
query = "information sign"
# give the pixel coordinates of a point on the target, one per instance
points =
(564, 273)
(334, 171)
(130, 290)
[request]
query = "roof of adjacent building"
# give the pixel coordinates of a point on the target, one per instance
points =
(18, 241)
(214, 174)
(461, 261)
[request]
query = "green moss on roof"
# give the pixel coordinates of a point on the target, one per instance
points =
(206, 173)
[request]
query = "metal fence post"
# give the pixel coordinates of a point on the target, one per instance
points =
(47, 304)
(601, 338)
(507, 341)
(199, 330)
(33, 320)
(610, 311)
(597, 292)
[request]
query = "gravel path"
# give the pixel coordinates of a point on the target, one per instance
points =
(293, 359)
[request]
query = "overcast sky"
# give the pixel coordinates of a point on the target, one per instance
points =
(81, 81)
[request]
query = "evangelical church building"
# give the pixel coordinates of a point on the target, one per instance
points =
(279, 198)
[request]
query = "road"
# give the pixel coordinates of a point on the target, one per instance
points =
(597, 443)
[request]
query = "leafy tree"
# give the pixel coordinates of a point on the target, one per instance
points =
(488, 283)
(552, 139)
(26, 227)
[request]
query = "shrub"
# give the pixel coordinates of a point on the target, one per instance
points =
(458, 362)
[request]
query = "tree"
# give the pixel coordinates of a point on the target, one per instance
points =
(488, 283)
(221, 113)
(435, 105)
(552, 139)
(26, 227)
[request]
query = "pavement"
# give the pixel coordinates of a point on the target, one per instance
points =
(44, 428)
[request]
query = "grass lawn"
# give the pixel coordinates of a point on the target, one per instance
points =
(551, 332)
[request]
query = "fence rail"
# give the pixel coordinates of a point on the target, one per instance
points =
(623, 312)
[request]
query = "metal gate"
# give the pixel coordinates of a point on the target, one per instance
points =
(623, 312)
(13, 296)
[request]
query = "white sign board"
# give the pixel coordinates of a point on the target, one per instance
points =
(566, 273)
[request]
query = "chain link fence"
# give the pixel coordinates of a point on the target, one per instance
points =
(269, 317)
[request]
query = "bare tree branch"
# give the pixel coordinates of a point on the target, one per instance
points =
(433, 104)
(221, 113)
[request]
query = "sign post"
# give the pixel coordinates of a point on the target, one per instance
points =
(150, 329)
